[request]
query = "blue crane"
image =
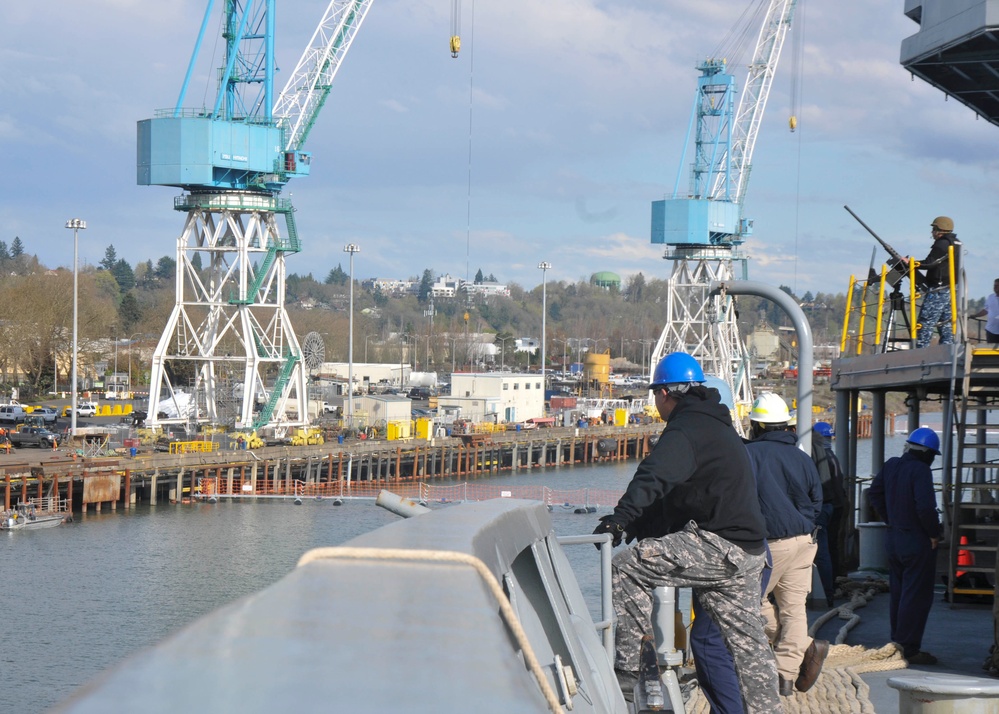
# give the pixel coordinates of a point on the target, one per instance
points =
(704, 227)
(711, 211)
(229, 353)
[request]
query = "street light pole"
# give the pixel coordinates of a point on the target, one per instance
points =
(544, 266)
(351, 248)
(130, 338)
(77, 225)
(115, 373)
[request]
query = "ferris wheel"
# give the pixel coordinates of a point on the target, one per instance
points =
(313, 351)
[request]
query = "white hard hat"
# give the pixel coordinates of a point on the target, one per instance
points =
(769, 408)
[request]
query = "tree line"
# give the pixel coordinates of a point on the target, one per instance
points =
(131, 303)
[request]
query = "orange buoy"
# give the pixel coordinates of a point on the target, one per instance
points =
(964, 557)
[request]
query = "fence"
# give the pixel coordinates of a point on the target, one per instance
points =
(587, 498)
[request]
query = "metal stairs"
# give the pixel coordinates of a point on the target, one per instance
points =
(282, 381)
(292, 244)
(973, 501)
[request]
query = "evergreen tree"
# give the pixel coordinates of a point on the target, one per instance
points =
(634, 292)
(380, 299)
(196, 262)
(4, 252)
(478, 277)
(16, 248)
(123, 275)
(337, 276)
(426, 286)
(129, 312)
(492, 278)
(110, 259)
(166, 268)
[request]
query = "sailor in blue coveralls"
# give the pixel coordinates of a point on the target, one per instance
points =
(902, 493)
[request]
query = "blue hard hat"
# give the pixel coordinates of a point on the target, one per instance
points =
(823, 428)
(724, 392)
(676, 368)
(925, 437)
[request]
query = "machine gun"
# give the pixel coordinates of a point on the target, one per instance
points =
(897, 266)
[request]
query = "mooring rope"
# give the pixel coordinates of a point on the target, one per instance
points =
(448, 556)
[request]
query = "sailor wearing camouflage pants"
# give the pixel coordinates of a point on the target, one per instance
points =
(693, 509)
(727, 581)
(935, 313)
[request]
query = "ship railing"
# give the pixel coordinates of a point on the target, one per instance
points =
(882, 317)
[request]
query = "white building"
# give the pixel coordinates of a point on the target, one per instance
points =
(485, 290)
(508, 397)
(374, 409)
(445, 287)
(367, 374)
(390, 287)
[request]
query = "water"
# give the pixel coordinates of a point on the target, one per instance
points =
(79, 598)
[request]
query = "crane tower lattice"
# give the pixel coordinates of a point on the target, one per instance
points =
(229, 330)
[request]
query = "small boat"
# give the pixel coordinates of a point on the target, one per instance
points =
(35, 514)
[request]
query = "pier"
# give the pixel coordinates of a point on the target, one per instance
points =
(322, 470)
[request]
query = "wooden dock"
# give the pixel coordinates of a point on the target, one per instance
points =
(290, 471)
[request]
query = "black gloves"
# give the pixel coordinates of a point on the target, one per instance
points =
(608, 525)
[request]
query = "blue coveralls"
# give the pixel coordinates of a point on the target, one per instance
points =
(902, 493)
(713, 662)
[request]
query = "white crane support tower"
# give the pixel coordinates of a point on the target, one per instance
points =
(704, 227)
(229, 353)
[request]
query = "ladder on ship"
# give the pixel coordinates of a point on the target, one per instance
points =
(973, 498)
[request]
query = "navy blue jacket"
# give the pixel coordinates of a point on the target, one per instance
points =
(790, 492)
(697, 471)
(902, 493)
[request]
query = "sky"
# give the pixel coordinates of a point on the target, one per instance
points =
(547, 139)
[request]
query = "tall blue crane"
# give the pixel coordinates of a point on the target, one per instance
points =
(229, 353)
(703, 227)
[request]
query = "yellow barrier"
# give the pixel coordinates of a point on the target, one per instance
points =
(190, 447)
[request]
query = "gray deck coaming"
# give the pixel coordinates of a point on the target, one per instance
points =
(372, 635)
(929, 369)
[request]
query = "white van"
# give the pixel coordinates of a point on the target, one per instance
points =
(12, 412)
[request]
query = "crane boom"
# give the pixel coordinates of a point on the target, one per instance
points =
(710, 213)
(306, 91)
(749, 115)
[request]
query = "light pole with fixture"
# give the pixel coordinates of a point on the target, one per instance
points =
(351, 248)
(544, 266)
(503, 351)
(130, 338)
(77, 225)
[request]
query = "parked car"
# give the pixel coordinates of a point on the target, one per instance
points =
(34, 436)
(419, 393)
(87, 409)
(48, 415)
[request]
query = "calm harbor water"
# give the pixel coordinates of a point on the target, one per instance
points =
(79, 598)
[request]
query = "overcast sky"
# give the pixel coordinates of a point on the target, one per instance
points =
(574, 124)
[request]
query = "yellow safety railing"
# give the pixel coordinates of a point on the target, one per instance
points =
(862, 305)
(192, 447)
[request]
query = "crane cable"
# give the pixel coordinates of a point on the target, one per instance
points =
(797, 74)
(455, 27)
